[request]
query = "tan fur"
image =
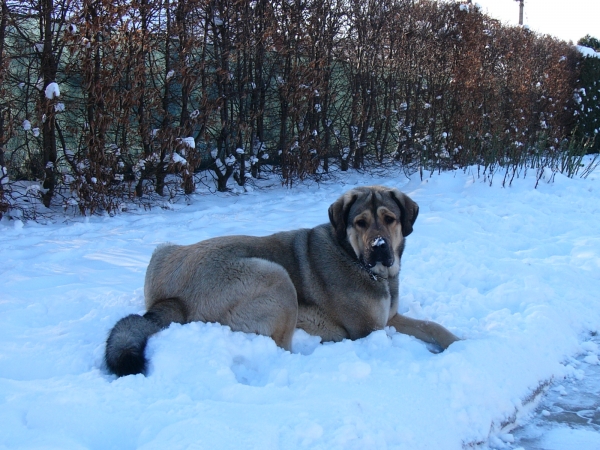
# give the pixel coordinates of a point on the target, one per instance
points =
(334, 280)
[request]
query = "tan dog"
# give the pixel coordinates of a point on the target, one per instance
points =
(337, 281)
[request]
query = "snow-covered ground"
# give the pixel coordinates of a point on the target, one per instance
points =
(514, 271)
(568, 415)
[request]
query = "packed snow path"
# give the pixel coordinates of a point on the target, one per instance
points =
(514, 271)
(568, 415)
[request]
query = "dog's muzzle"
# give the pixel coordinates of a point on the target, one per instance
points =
(379, 252)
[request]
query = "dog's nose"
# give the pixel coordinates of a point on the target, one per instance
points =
(380, 252)
(378, 242)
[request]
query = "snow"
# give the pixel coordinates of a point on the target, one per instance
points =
(177, 158)
(568, 415)
(188, 142)
(4, 179)
(565, 438)
(513, 271)
(378, 242)
(52, 91)
(587, 52)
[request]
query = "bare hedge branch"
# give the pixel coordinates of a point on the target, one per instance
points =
(114, 100)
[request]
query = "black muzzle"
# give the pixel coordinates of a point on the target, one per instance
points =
(379, 251)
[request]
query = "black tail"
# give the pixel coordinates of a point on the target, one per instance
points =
(127, 340)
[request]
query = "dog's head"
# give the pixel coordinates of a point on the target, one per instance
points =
(374, 220)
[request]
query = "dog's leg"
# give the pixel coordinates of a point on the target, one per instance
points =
(430, 332)
(127, 340)
(262, 300)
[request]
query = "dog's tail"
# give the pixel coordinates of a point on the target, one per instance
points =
(127, 340)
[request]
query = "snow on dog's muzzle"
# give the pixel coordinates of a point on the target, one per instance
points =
(378, 242)
(380, 252)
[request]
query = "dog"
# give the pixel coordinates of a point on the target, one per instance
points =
(337, 281)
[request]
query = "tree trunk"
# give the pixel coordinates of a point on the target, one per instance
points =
(48, 72)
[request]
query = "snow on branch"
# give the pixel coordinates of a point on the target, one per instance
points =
(52, 91)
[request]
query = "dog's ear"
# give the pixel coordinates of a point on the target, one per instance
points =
(409, 210)
(339, 211)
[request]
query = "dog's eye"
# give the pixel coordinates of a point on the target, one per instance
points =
(389, 220)
(361, 223)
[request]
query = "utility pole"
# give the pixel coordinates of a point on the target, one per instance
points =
(520, 11)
